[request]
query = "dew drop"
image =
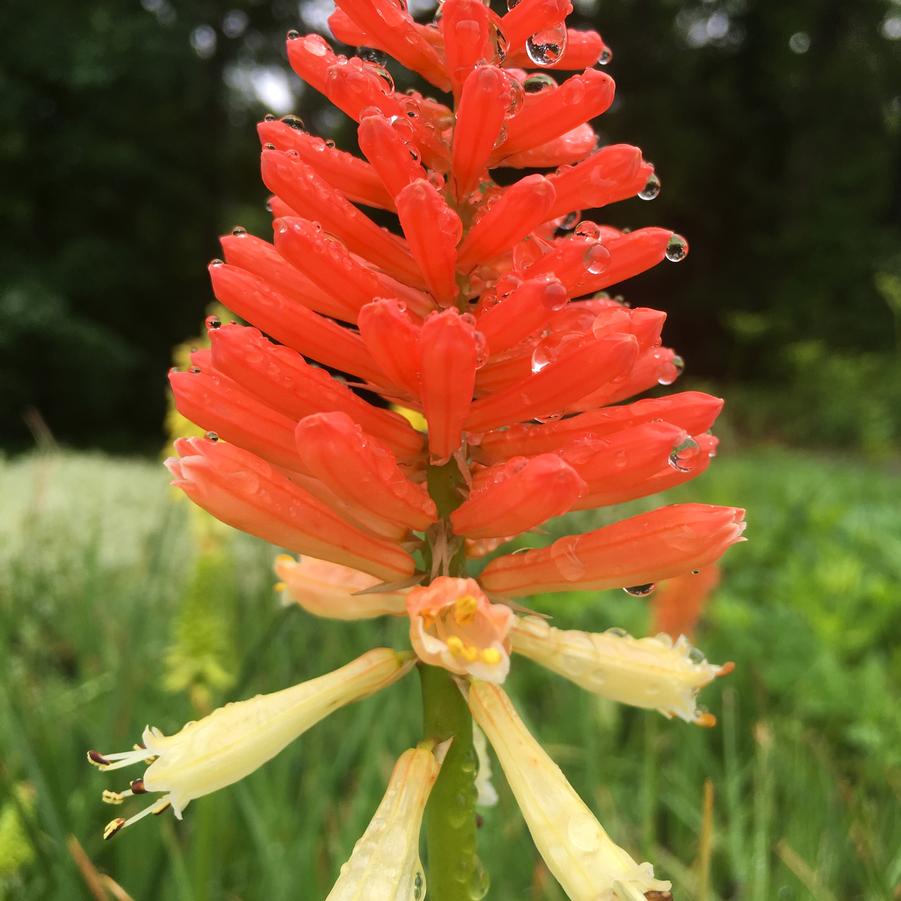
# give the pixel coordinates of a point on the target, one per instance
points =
(538, 82)
(268, 146)
(329, 143)
(213, 322)
(501, 137)
(211, 436)
(588, 229)
(606, 57)
(540, 358)
(501, 44)
(568, 222)
(616, 632)
(640, 591)
(651, 189)
(294, 122)
(544, 48)
(217, 262)
(564, 553)
(596, 259)
(515, 97)
(373, 55)
(683, 454)
(293, 34)
(677, 249)
(385, 77)
(674, 369)
(239, 231)
(270, 117)
(696, 656)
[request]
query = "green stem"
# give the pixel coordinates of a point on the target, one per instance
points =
(450, 816)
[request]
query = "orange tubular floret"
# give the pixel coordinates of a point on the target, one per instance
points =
(285, 381)
(558, 385)
(570, 147)
(466, 27)
(433, 230)
(630, 255)
(394, 30)
(393, 340)
(520, 209)
(260, 258)
(306, 332)
(516, 496)
(655, 366)
(246, 492)
(356, 179)
(690, 410)
(361, 470)
(223, 407)
(480, 116)
(548, 115)
(519, 312)
(641, 550)
(613, 173)
(312, 197)
(449, 353)
(393, 153)
(327, 263)
(531, 16)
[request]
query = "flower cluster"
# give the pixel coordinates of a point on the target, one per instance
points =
(484, 311)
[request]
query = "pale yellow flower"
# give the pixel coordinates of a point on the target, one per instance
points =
(236, 739)
(654, 673)
(582, 857)
(385, 865)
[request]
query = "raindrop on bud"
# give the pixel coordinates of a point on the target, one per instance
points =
(293, 34)
(544, 48)
(651, 189)
(588, 229)
(515, 97)
(270, 117)
(677, 249)
(682, 454)
(212, 436)
(372, 55)
(606, 57)
(674, 369)
(294, 122)
(538, 82)
(596, 259)
(239, 231)
(640, 591)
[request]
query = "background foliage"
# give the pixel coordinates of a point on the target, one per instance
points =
(127, 144)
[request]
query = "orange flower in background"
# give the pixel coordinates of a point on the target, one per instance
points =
(479, 310)
(678, 603)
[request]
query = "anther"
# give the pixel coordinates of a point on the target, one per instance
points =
(97, 759)
(137, 787)
(112, 827)
(706, 720)
(111, 797)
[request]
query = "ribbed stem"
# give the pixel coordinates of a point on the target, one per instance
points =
(450, 817)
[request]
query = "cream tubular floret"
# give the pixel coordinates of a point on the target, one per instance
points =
(236, 739)
(385, 865)
(586, 862)
(654, 672)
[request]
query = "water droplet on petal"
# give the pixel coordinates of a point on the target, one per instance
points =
(588, 229)
(568, 222)
(501, 137)
(515, 97)
(640, 591)
(270, 117)
(677, 249)
(501, 44)
(293, 34)
(211, 436)
(512, 4)
(696, 656)
(596, 259)
(683, 454)
(674, 369)
(606, 57)
(239, 231)
(538, 82)
(294, 122)
(651, 189)
(546, 47)
(616, 632)
(540, 358)
(373, 55)
(564, 553)
(217, 262)
(213, 322)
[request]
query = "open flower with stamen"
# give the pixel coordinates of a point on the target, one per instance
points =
(584, 859)
(476, 305)
(233, 741)
(385, 863)
(655, 673)
(454, 625)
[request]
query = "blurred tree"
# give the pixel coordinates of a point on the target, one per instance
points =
(127, 145)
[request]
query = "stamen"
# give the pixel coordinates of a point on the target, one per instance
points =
(705, 720)
(455, 645)
(111, 797)
(137, 787)
(491, 656)
(97, 759)
(113, 827)
(465, 608)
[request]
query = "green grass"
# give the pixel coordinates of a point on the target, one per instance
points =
(97, 564)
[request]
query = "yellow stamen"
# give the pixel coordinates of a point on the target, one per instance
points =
(455, 645)
(491, 656)
(280, 586)
(470, 652)
(465, 609)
